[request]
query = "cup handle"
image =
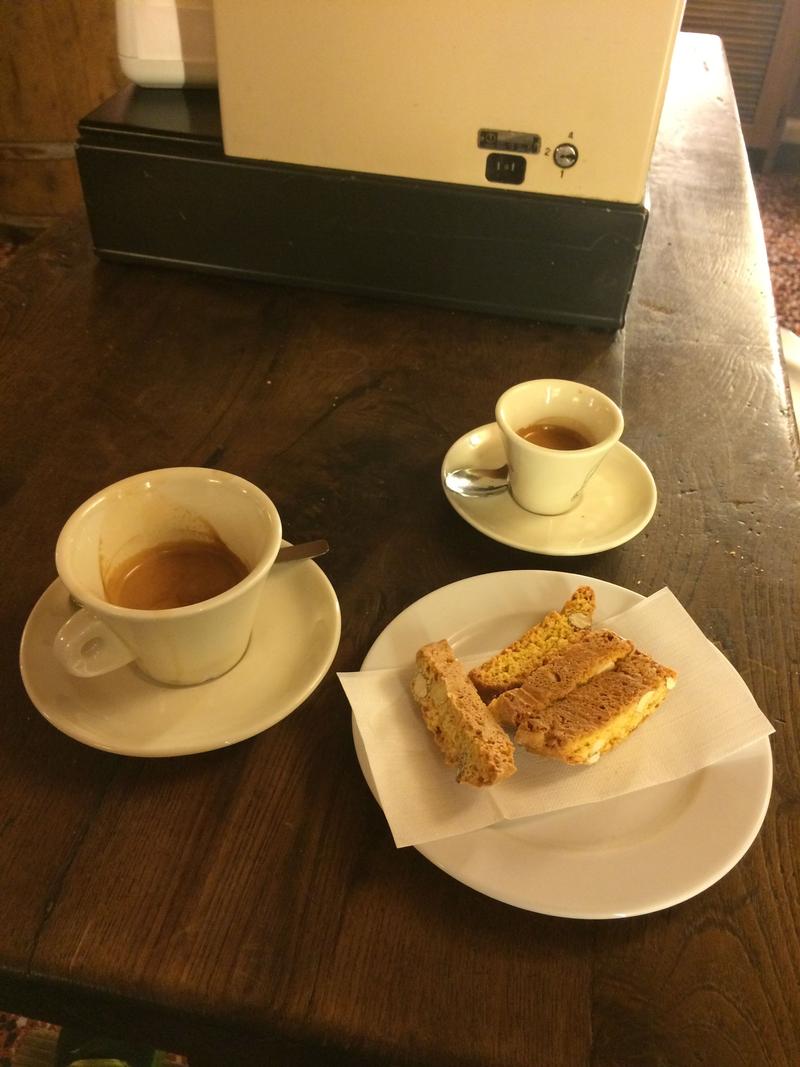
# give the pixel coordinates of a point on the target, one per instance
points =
(86, 647)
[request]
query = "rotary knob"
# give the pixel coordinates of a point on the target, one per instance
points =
(565, 155)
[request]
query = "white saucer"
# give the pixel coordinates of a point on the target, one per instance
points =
(617, 504)
(295, 638)
(631, 855)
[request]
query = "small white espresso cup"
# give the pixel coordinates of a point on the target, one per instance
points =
(177, 646)
(549, 481)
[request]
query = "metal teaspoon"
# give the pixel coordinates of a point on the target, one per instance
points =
(477, 481)
(307, 550)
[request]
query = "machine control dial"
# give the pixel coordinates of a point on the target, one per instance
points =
(565, 155)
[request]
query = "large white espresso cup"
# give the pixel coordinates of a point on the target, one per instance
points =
(182, 645)
(546, 480)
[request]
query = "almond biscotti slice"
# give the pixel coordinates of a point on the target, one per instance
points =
(509, 668)
(462, 726)
(591, 653)
(598, 715)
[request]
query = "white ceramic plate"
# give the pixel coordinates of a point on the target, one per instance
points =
(294, 641)
(617, 503)
(627, 856)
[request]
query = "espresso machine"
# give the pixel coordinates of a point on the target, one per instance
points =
(491, 157)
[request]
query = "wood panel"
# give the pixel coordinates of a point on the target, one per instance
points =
(762, 42)
(58, 60)
(748, 29)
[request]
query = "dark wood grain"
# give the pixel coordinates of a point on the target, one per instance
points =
(248, 906)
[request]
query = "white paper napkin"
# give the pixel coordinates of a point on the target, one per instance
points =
(709, 715)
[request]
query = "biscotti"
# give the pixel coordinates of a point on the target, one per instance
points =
(597, 715)
(462, 726)
(590, 654)
(510, 667)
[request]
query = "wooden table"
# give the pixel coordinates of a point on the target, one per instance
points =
(247, 906)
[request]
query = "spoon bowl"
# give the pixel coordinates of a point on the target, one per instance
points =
(477, 481)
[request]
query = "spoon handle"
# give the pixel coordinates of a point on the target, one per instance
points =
(307, 550)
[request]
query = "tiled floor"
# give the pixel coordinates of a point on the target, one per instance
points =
(779, 203)
(791, 354)
(778, 197)
(30, 1043)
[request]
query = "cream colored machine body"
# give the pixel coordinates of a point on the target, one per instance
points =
(561, 97)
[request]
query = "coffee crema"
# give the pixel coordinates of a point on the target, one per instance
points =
(174, 574)
(552, 435)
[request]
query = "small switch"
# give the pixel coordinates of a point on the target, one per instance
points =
(505, 168)
(565, 155)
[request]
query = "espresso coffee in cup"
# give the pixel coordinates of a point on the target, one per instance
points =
(170, 567)
(556, 433)
(173, 574)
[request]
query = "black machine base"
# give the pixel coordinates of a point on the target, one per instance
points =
(159, 189)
